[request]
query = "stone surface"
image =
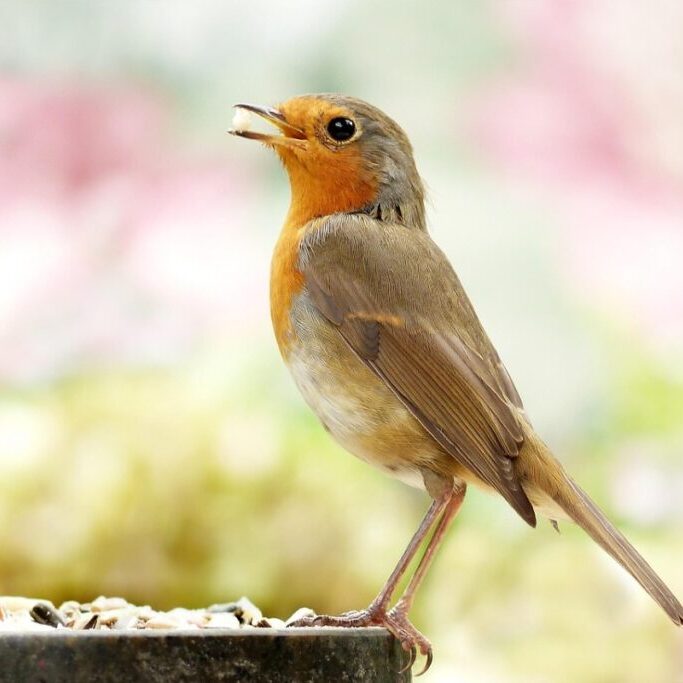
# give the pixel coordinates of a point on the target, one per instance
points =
(267, 655)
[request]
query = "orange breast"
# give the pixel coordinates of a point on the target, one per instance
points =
(338, 185)
(285, 282)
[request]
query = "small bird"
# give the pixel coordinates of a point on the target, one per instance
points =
(385, 346)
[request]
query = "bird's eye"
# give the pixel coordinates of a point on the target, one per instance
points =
(341, 128)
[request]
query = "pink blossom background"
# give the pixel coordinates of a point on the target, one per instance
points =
(593, 119)
(151, 442)
(117, 245)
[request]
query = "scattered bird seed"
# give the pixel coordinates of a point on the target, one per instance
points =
(46, 614)
(223, 620)
(89, 622)
(224, 607)
(125, 622)
(250, 614)
(15, 603)
(271, 622)
(163, 621)
(146, 613)
(117, 614)
(102, 604)
(244, 609)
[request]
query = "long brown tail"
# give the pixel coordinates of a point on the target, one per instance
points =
(579, 507)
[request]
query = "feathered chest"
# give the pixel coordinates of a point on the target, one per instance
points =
(353, 404)
(286, 281)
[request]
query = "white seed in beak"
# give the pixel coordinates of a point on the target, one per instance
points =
(241, 121)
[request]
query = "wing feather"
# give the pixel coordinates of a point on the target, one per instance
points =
(420, 335)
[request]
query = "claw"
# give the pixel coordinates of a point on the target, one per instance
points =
(411, 660)
(428, 663)
(395, 622)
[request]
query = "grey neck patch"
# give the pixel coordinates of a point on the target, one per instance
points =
(408, 213)
(400, 194)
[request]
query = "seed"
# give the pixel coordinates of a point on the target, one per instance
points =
(223, 620)
(43, 613)
(241, 120)
(103, 604)
(163, 621)
(87, 622)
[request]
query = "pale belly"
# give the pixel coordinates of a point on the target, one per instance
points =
(354, 405)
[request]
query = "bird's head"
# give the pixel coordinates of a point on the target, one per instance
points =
(342, 155)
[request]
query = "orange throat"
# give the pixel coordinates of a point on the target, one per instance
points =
(326, 193)
(325, 183)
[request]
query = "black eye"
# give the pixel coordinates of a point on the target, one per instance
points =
(341, 128)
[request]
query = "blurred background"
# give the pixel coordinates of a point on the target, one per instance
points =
(152, 444)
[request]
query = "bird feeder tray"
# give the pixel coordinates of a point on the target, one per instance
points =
(269, 655)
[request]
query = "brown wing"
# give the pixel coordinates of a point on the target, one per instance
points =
(398, 304)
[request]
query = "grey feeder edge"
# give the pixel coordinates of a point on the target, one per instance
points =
(295, 655)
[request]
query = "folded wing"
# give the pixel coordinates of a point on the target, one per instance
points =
(400, 307)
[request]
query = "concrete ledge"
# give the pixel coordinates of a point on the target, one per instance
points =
(301, 655)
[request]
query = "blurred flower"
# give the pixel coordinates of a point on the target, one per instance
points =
(597, 120)
(116, 245)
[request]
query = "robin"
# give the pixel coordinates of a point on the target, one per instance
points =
(385, 346)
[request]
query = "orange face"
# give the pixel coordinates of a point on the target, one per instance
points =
(342, 155)
(320, 144)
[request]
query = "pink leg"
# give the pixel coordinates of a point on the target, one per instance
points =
(446, 503)
(377, 610)
(381, 602)
(397, 619)
(451, 510)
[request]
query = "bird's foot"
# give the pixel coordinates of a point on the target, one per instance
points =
(354, 619)
(412, 641)
(395, 621)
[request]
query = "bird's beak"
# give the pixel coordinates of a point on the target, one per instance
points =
(290, 136)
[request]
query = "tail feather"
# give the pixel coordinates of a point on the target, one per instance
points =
(582, 510)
